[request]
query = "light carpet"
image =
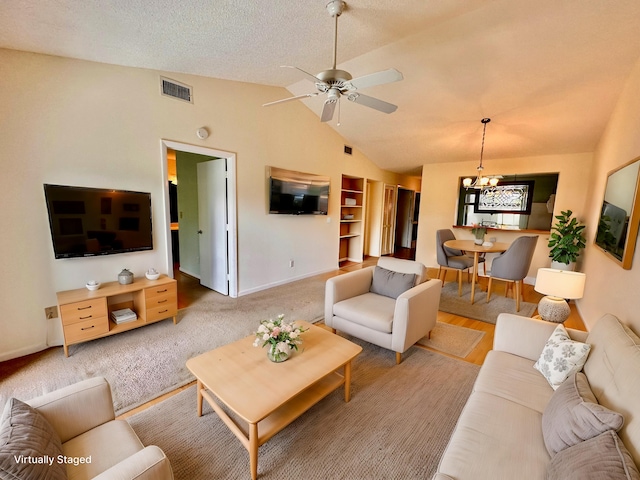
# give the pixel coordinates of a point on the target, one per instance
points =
(452, 339)
(144, 363)
(396, 425)
(480, 310)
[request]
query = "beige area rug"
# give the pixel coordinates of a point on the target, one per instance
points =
(396, 425)
(452, 339)
(450, 302)
(145, 363)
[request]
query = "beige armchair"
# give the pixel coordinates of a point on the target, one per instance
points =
(354, 305)
(83, 417)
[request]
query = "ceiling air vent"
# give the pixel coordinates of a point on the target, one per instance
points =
(171, 88)
(348, 150)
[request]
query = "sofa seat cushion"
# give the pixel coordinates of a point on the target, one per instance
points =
(513, 378)
(601, 457)
(107, 445)
(369, 310)
(482, 445)
(27, 436)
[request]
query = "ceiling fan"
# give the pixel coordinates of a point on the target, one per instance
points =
(336, 83)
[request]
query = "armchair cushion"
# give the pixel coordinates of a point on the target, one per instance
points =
(370, 310)
(391, 284)
(27, 435)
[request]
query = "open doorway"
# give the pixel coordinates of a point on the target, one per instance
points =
(201, 209)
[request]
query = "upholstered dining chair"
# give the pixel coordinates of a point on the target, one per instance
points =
(392, 305)
(512, 266)
(452, 259)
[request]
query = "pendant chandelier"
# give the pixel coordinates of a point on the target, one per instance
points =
(481, 181)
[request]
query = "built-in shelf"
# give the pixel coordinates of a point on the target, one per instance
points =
(351, 218)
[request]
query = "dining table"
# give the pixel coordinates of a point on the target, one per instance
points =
(477, 249)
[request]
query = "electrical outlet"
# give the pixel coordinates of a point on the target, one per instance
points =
(51, 312)
(291, 263)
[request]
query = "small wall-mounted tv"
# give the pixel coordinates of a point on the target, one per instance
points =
(297, 193)
(85, 221)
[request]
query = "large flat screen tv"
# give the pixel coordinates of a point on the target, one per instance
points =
(297, 193)
(92, 221)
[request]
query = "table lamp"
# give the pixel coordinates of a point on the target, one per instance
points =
(557, 285)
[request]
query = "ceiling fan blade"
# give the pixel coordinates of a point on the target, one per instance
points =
(297, 97)
(371, 102)
(310, 76)
(328, 109)
(378, 78)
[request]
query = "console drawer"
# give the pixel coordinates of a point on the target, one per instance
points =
(86, 329)
(81, 311)
(161, 311)
(160, 292)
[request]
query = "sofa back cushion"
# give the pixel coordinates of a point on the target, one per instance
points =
(404, 266)
(573, 415)
(613, 371)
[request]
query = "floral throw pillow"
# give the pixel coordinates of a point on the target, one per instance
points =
(561, 357)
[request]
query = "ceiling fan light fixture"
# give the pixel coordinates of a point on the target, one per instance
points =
(335, 82)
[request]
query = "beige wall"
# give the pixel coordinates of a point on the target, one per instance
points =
(81, 123)
(609, 288)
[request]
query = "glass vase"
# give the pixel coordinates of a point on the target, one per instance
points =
(276, 356)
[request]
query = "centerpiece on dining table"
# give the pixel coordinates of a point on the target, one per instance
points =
(479, 232)
(279, 336)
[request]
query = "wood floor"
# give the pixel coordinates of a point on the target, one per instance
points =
(189, 289)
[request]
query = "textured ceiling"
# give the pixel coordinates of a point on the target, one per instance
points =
(547, 73)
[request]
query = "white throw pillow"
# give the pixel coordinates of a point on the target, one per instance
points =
(561, 357)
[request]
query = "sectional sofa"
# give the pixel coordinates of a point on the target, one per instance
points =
(516, 425)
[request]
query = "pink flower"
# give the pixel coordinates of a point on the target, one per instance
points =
(276, 332)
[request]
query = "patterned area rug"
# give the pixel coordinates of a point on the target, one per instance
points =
(452, 339)
(450, 302)
(396, 425)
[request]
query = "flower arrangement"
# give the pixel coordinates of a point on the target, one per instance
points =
(281, 337)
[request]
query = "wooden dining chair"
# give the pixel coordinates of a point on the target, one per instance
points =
(513, 265)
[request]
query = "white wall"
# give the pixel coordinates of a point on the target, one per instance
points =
(609, 288)
(81, 123)
(439, 199)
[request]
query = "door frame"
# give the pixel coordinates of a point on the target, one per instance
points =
(232, 201)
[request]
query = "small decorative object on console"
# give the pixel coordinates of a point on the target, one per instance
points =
(152, 274)
(125, 277)
(92, 285)
(281, 337)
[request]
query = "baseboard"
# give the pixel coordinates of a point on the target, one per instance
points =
(283, 282)
(4, 356)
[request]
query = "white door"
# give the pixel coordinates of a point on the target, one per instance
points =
(388, 219)
(212, 218)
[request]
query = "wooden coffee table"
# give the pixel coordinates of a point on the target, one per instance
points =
(268, 396)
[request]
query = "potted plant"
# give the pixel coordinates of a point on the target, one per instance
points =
(479, 232)
(566, 241)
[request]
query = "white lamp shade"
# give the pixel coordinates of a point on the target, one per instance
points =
(560, 283)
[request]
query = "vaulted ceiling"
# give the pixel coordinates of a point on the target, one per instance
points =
(547, 72)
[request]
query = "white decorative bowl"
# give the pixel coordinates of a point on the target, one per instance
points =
(93, 286)
(152, 276)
